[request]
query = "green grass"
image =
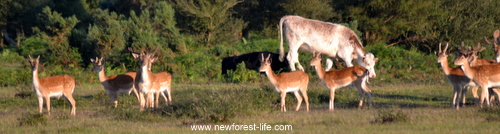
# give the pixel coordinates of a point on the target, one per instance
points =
(397, 109)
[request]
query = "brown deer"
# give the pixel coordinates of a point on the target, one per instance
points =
(148, 83)
(54, 86)
(114, 84)
(486, 76)
(294, 81)
(335, 79)
(456, 77)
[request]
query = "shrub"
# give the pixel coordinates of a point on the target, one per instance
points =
(242, 75)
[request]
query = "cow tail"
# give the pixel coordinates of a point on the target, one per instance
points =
(282, 50)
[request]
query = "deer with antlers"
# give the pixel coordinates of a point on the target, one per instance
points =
(335, 79)
(485, 76)
(54, 86)
(148, 83)
(114, 84)
(456, 77)
(294, 81)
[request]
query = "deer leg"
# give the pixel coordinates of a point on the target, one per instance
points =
(485, 96)
(306, 98)
(476, 97)
(169, 96)
(47, 99)
(40, 104)
(332, 98)
(114, 98)
(164, 97)
(157, 96)
(463, 95)
(455, 95)
(299, 100)
(72, 102)
(141, 101)
(283, 96)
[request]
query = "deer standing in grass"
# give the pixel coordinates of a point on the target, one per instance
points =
(294, 81)
(335, 79)
(486, 76)
(148, 83)
(456, 77)
(114, 84)
(473, 54)
(54, 86)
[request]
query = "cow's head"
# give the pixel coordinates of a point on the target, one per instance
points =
(368, 62)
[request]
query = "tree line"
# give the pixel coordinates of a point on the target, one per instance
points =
(66, 33)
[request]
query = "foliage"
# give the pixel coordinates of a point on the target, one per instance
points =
(57, 29)
(243, 75)
(399, 65)
(211, 20)
(314, 9)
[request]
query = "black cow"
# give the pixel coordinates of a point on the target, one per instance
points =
(252, 61)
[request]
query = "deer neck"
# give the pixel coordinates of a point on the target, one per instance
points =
(271, 76)
(102, 75)
(446, 67)
(468, 70)
(145, 74)
(36, 79)
(319, 70)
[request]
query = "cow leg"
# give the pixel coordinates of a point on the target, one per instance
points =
(293, 57)
(329, 63)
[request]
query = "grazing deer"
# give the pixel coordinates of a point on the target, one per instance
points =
(335, 79)
(115, 84)
(148, 83)
(456, 77)
(287, 82)
(54, 86)
(486, 76)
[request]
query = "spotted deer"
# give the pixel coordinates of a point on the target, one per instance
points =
(53, 86)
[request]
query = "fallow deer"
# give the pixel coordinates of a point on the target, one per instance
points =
(54, 86)
(148, 83)
(456, 77)
(335, 79)
(294, 81)
(486, 76)
(114, 84)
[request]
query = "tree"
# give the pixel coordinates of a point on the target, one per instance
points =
(212, 20)
(313, 9)
(57, 29)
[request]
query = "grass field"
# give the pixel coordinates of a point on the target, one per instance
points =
(404, 108)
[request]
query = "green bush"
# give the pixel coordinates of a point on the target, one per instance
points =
(242, 75)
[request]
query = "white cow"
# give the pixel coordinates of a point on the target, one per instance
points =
(327, 38)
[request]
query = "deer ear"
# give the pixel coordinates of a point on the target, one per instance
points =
(154, 60)
(135, 55)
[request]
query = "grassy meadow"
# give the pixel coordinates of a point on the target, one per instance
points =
(402, 108)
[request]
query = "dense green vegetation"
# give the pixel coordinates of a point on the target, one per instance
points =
(195, 35)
